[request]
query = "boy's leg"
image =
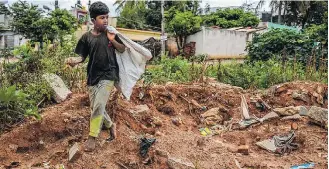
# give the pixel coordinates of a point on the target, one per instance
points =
(98, 95)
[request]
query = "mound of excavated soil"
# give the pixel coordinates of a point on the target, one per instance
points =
(175, 124)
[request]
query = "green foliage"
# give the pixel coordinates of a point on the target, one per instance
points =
(29, 22)
(279, 42)
(318, 33)
(4, 9)
(14, 105)
(184, 24)
(133, 15)
(26, 74)
(229, 18)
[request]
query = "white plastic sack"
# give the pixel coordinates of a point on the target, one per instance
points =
(131, 63)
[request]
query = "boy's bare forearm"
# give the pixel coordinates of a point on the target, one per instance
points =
(120, 47)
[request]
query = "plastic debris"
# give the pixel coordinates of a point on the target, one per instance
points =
(205, 131)
(145, 145)
(306, 165)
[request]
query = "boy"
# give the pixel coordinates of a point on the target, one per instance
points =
(102, 70)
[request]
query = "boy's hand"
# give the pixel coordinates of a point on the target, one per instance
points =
(72, 61)
(110, 36)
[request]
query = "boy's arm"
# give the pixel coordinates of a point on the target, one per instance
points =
(82, 50)
(117, 43)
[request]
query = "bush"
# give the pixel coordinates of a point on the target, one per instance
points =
(26, 74)
(277, 43)
(14, 105)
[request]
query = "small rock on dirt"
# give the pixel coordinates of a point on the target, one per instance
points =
(175, 163)
(293, 117)
(140, 109)
(287, 111)
(57, 84)
(74, 152)
(177, 121)
(13, 147)
(162, 153)
(243, 149)
(300, 96)
(303, 111)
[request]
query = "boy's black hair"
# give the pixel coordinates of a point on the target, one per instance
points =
(98, 8)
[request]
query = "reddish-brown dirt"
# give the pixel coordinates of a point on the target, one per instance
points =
(38, 144)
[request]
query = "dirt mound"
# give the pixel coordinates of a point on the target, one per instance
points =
(172, 115)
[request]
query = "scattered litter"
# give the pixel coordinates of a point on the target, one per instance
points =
(306, 165)
(280, 144)
(205, 131)
(145, 145)
(243, 149)
(177, 121)
(245, 123)
(237, 163)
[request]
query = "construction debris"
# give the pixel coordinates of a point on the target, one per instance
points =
(306, 165)
(299, 95)
(176, 163)
(279, 144)
(319, 116)
(287, 111)
(292, 117)
(244, 108)
(58, 86)
(74, 152)
(145, 144)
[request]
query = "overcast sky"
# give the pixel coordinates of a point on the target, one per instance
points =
(68, 3)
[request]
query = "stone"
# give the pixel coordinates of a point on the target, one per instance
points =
(177, 121)
(243, 149)
(139, 109)
(162, 153)
(158, 133)
(268, 116)
(267, 145)
(13, 147)
(300, 96)
(175, 163)
(74, 152)
(303, 111)
(292, 117)
(287, 111)
(57, 84)
(157, 121)
(319, 116)
(211, 112)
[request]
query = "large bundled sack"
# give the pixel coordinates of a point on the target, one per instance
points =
(131, 63)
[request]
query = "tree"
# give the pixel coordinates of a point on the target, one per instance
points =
(133, 15)
(229, 18)
(25, 17)
(30, 23)
(182, 25)
(4, 10)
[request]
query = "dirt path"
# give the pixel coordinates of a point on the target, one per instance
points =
(46, 143)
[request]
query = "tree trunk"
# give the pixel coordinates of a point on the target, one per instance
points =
(280, 16)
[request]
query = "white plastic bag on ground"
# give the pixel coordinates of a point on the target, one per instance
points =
(131, 63)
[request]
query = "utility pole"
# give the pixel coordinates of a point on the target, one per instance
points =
(56, 4)
(162, 29)
(88, 16)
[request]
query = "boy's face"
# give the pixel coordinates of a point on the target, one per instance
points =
(101, 22)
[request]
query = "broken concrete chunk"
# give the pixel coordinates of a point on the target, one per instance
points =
(211, 112)
(162, 153)
(319, 116)
(74, 152)
(57, 84)
(293, 117)
(268, 116)
(175, 163)
(287, 111)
